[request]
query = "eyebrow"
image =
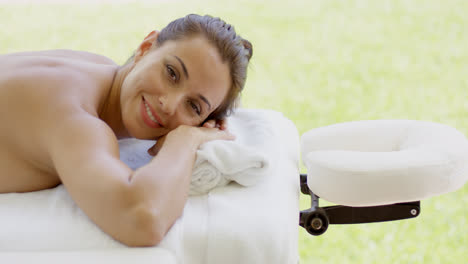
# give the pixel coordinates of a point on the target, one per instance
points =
(183, 66)
(205, 100)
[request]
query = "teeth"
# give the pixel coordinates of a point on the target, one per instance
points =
(148, 111)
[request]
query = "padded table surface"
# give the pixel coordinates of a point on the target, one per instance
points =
(377, 162)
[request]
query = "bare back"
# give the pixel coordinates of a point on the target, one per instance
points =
(38, 90)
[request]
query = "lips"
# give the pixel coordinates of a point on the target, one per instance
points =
(150, 118)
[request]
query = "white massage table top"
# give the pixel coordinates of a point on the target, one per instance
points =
(365, 163)
(124, 255)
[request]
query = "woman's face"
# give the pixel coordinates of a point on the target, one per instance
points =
(178, 83)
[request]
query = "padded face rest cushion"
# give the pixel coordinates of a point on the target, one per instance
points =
(366, 163)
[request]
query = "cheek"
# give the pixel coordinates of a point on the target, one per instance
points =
(129, 95)
(181, 118)
(132, 86)
(124, 93)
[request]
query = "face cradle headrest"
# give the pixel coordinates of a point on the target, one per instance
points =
(365, 163)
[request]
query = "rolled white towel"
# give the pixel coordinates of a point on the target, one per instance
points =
(244, 160)
(204, 178)
(220, 162)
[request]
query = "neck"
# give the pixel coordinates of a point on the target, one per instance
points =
(110, 111)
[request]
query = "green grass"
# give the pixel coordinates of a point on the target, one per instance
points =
(318, 62)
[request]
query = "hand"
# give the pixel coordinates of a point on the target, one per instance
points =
(157, 146)
(210, 130)
(219, 128)
(221, 124)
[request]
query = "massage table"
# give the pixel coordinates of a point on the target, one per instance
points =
(360, 166)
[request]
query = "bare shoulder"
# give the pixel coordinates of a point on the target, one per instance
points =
(66, 54)
(39, 92)
(56, 72)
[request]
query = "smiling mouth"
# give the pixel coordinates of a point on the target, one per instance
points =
(150, 114)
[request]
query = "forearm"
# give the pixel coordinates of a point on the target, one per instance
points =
(158, 191)
(162, 185)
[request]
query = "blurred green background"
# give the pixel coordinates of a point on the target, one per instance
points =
(318, 62)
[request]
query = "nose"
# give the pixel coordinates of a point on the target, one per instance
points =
(169, 103)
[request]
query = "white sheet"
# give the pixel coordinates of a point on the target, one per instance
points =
(231, 224)
(124, 255)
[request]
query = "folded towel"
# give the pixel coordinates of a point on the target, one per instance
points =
(220, 162)
(243, 160)
(205, 177)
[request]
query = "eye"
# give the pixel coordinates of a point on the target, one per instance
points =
(172, 74)
(195, 107)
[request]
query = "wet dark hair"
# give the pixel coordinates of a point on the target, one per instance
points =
(233, 49)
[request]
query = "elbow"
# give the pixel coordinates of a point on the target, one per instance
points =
(152, 237)
(149, 229)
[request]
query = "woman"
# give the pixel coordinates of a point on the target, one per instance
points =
(63, 112)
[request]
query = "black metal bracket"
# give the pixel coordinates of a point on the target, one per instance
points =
(317, 219)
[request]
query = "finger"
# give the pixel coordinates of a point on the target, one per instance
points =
(224, 134)
(210, 124)
(152, 151)
(209, 134)
(228, 135)
(223, 124)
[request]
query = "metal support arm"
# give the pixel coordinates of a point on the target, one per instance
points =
(316, 219)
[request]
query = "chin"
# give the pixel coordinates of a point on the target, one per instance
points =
(144, 134)
(139, 134)
(134, 131)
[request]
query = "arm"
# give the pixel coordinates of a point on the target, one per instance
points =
(135, 207)
(220, 124)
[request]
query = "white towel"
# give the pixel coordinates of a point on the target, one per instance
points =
(205, 178)
(243, 160)
(220, 162)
